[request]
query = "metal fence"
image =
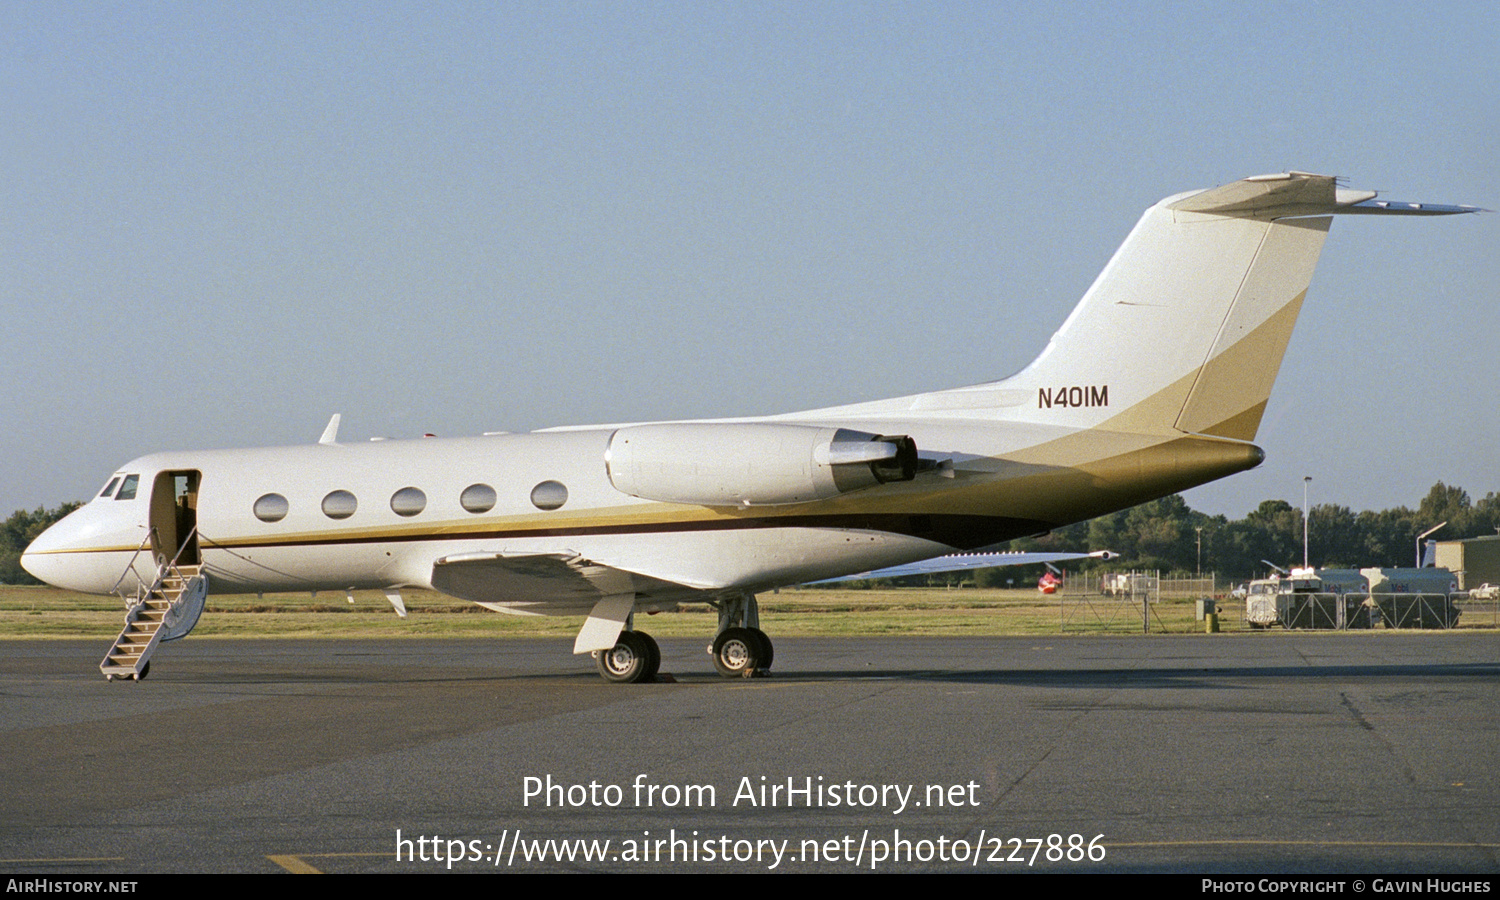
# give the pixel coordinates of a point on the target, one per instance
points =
(1346, 612)
(1185, 588)
(1117, 602)
(1475, 613)
(1144, 602)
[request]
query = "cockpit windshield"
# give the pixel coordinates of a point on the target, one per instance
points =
(127, 490)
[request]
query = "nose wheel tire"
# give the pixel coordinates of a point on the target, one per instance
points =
(741, 652)
(634, 658)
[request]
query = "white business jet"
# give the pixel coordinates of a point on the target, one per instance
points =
(1154, 384)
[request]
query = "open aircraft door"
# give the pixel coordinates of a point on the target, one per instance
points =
(174, 517)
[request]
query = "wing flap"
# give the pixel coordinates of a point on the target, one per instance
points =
(559, 583)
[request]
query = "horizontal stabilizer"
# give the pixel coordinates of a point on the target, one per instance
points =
(1300, 194)
(1399, 208)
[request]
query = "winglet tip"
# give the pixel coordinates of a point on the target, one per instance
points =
(331, 433)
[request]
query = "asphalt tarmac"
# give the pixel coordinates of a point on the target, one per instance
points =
(1266, 753)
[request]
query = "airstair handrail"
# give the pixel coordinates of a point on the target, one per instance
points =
(130, 566)
(162, 570)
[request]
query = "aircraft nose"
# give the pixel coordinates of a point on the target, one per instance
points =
(72, 553)
(36, 564)
(42, 557)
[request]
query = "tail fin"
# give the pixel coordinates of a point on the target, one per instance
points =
(1185, 328)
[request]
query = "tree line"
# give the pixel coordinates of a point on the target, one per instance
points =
(20, 530)
(1163, 534)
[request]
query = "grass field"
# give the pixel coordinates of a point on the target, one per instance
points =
(40, 612)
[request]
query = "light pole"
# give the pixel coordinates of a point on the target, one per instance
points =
(1306, 480)
(1199, 529)
(1423, 535)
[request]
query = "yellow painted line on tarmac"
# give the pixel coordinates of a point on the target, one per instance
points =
(298, 863)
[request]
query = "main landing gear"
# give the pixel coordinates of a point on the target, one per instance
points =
(742, 653)
(741, 649)
(635, 657)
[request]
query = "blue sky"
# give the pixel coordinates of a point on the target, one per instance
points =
(222, 223)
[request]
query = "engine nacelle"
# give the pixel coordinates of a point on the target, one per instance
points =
(753, 464)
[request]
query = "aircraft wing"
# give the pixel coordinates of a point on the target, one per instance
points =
(551, 584)
(958, 562)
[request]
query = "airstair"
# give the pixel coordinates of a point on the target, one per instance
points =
(165, 611)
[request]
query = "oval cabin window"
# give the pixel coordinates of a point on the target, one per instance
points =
(549, 495)
(408, 501)
(339, 505)
(271, 508)
(477, 498)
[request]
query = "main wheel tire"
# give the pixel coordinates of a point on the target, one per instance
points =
(628, 661)
(767, 652)
(737, 652)
(653, 655)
